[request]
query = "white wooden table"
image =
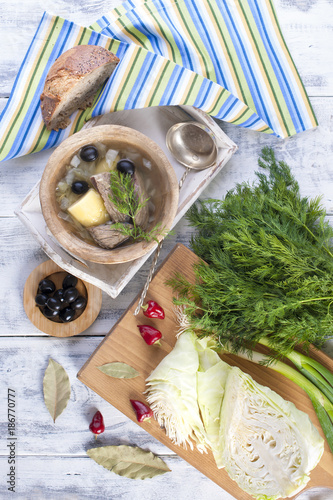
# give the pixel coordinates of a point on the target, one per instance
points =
(51, 458)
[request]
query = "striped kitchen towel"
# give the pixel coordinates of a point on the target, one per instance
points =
(227, 57)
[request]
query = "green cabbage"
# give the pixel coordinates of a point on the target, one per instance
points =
(265, 443)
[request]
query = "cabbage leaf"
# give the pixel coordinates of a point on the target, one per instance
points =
(172, 394)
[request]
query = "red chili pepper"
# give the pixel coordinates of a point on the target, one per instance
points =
(97, 424)
(150, 334)
(143, 412)
(153, 310)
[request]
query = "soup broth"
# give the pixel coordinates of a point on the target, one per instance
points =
(82, 171)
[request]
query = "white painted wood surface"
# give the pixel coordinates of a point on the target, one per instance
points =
(52, 462)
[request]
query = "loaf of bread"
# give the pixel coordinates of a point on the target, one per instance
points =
(73, 81)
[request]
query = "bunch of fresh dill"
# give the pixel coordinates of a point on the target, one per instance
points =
(270, 265)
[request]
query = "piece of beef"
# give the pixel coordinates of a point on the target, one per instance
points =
(101, 182)
(141, 218)
(107, 237)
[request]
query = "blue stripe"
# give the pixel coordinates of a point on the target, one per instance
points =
(228, 105)
(94, 38)
(204, 35)
(140, 82)
(203, 93)
(251, 121)
(246, 65)
(35, 103)
(278, 70)
(178, 39)
(100, 105)
(103, 22)
(172, 85)
(142, 28)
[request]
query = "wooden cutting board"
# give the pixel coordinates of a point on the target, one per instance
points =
(125, 344)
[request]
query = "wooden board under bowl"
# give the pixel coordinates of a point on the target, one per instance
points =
(125, 344)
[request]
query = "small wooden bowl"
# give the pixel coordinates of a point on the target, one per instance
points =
(162, 176)
(81, 322)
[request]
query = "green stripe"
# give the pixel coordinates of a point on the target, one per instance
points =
(13, 129)
(113, 45)
(193, 90)
(205, 56)
(135, 68)
(224, 94)
(158, 92)
(96, 27)
(280, 101)
(169, 40)
(129, 28)
(44, 134)
(239, 76)
(243, 116)
(83, 35)
(267, 130)
(292, 61)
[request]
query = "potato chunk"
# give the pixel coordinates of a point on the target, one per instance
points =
(89, 210)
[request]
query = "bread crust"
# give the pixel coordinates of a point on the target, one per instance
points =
(70, 68)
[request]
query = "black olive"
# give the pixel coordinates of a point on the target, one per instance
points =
(66, 314)
(71, 294)
(126, 166)
(46, 286)
(79, 303)
(89, 153)
(54, 304)
(49, 313)
(41, 299)
(80, 187)
(59, 294)
(69, 281)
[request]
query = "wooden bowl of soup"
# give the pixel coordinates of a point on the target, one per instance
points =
(108, 194)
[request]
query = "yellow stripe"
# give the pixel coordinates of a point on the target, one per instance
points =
(241, 112)
(186, 91)
(262, 71)
(262, 129)
(151, 92)
(225, 51)
(42, 124)
(23, 94)
(128, 30)
(292, 66)
(123, 80)
(218, 95)
(158, 29)
(201, 61)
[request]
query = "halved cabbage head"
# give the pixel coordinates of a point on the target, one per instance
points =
(268, 446)
(265, 443)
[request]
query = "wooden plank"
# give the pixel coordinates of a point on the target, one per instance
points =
(125, 344)
(23, 364)
(81, 478)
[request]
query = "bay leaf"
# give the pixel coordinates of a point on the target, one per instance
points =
(117, 369)
(56, 387)
(129, 461)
